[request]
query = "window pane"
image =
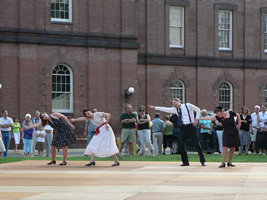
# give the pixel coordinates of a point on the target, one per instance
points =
(60, 9)
(176, 23)
(61, 84)
(177, 90)
(225, 95)
(225, 29)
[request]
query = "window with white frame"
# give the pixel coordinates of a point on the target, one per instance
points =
(226, 95)
(61, 10)
(62, 89)
(225, 30)
(176, 24)
(265, 33)
(177, 90)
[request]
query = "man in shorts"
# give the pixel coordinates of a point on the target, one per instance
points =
(128, 133)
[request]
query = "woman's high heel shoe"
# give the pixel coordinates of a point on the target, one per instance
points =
(90, 164)
(63, 163)
(230, 164)
(116, 164)
(222, 165)
(52, 162)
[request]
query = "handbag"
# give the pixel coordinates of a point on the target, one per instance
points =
(150, 124)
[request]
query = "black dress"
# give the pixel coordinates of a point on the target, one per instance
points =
(64, 136)
(230, 132)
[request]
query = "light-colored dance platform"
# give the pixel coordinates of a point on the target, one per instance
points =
(34, 180)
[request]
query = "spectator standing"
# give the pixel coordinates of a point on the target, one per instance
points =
(2, 146)
(167, 134)
(244, 132)
(157, 134)
(143, 131)
(27, 117)
(48, 139)
(27, 140)
(6, 123)
(262, 123)
(40, 139)
(254, 127)
(177, 133)
(219, 133)
(35, 120)
(206, 131)
(90, 129)
(128, 133)
(16, 133)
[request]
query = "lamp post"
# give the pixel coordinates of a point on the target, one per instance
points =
(128, 92)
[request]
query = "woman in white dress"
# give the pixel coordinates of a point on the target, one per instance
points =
(103, 143)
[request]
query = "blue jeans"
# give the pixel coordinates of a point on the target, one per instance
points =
(6, 140)
(27, 146)
(90, 136)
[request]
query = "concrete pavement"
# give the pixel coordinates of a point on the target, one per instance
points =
(28, 180)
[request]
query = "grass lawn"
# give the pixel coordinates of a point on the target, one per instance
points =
(166, 158)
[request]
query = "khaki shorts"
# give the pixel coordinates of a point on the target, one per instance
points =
(128, 135)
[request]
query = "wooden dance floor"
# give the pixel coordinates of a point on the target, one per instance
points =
(32, 180)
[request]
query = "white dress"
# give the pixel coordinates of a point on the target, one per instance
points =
(103, 144)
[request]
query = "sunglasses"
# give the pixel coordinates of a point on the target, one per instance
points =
(141, 110)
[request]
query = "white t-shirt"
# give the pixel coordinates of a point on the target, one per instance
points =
(40, 139)
(48, 128)
(254, 118)
(263, 119)
(6, 121)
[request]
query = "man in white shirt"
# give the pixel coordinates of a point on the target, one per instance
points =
(187, 122)
(6, 123)
(254, 127)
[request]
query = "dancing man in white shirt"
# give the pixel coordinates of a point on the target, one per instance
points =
(187, 122)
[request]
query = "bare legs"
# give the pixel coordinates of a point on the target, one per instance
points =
(231, 155)
(65, 153)
(129, 148)
(54, 153)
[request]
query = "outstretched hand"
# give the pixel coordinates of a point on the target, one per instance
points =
(150, 106)
(72, 126)
(72, 120)
(107, 127)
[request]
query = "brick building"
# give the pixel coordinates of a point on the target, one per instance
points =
(64, 55)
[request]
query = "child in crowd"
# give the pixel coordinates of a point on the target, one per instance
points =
(2, 146)
(27, 140)
(40, 141)
(16, 133)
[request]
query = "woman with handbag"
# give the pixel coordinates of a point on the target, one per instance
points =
(143, 132)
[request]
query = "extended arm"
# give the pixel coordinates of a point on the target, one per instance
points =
(239, 121)
(172, 110)
(58, 115)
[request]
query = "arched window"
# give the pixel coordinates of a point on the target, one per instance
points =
(177, 90)
(62, 89)
(226, 95)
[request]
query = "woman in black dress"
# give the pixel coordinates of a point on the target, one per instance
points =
(64, 136)
(230, 132)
